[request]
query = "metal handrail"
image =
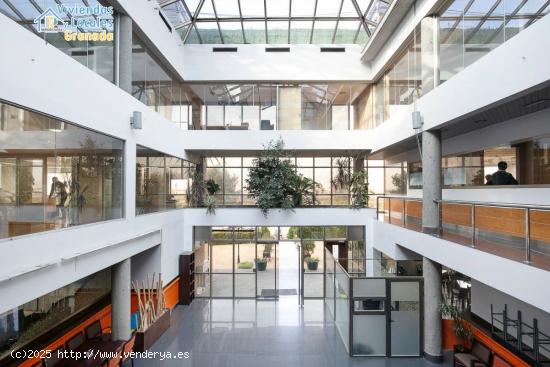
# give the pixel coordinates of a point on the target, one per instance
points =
(527, 208)
(466, 202)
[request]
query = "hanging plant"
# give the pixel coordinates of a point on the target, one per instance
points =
(274, 183)
(359, 190)
(201, 191)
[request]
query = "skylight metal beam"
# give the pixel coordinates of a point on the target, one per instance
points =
(361, 18)
(193, 21)
(538, 13)
(242, 23)
(483, 20)
(217, 21)
(313, 22)
(337, 21)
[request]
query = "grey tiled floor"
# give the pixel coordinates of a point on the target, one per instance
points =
(245, 333)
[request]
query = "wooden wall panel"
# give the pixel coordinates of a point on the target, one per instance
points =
(459, 214)
(508, 221)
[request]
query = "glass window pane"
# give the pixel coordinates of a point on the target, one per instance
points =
(209, 32)
(245, 254)
(277, 8)
(227, 8)
(252, 8)
(323, 31)
(303, 8)
(277, 32)
(232, 32)
(346, 31)
(254, 31)
(300, 31)
(222, 257)
(222, 285)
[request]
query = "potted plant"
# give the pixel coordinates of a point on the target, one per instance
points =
(312, 263)
(154, 316)
(462, 332)
(261, 264)
(267, 251)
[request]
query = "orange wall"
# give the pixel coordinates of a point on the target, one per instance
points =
(450, 340)
(171, 295)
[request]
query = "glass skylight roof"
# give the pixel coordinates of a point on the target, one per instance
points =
(275, 21)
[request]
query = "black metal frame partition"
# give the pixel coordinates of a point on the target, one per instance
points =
(276, 242)
(386, 310)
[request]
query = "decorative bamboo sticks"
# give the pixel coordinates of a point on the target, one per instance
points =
(151, 305)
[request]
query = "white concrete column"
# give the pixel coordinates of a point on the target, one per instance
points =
(431, 181)
(432, 317)
(121, 300)
(124, 38)
(429, 51)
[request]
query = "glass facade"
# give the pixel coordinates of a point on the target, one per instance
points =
(231, 173)
(162, 181)
(97, 55)
(468, 30)
(528, 162)
(24, 324)
(249, 262)
(277, 106)
(54, 174)
(398, 87)
(157, 88)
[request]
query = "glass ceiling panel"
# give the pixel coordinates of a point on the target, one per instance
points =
(176, 14)
(303, 8)
(322, 16)
(227, 8)
(193, 37)
(278, 8)
(252, 8)
(328, 8)
(192, 5)
(207, 10)
(348, 10)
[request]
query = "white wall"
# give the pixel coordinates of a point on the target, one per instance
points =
(513, 67)
(252, 63)
(516, 279)
(303, 140)
(41, 77)
(483, 296)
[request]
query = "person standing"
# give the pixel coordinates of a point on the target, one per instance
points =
(501, 177)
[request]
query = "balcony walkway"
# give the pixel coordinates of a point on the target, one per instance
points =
(245, 333)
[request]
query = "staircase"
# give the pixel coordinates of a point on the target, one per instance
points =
(525, 340)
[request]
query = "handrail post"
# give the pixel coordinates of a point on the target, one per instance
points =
(440, 218)
(527, 236)
(473, 225)
(505, 323)
(389, 210)
(519, 332)
(404, 213)
(536, 339)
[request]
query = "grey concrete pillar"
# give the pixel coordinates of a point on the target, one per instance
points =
(431, 181)
(125, 53)
(429, 51)
(121, 300)
(432, 317)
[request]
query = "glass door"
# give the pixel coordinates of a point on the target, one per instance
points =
(266, 270)
(405, 318)
(288, 269)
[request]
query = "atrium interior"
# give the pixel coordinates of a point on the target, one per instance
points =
(275, 182)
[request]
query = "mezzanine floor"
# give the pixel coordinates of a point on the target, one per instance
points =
(224, 332)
